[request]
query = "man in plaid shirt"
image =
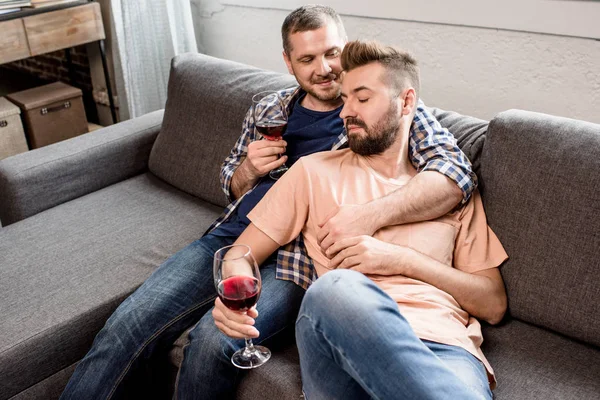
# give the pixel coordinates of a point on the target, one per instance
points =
(180, 293)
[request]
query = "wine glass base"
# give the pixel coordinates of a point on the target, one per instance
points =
(248, 359)
(278, 173)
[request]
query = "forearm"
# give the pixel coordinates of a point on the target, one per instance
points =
(434, 148)
(427, 196)
(241, 181)
(262, 245)
(481, 295)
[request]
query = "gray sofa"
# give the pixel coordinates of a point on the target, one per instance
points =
(88, 219)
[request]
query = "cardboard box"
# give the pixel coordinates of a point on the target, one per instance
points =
(51, 113)
(12, 136)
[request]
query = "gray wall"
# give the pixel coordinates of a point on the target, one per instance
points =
(472, 70)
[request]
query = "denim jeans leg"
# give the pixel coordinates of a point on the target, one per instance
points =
(465, 366)
(349, 320)
(173, 298)
(207, 371)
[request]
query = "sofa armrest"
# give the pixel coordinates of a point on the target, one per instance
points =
(34, 181)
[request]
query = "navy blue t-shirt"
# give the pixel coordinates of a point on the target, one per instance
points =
(307, 132)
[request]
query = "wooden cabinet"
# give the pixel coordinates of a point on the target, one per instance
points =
(47, 32)
(13, 41)
(32, 32)
(64, 28)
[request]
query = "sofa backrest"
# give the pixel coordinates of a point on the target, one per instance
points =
(542, 199)
(207, 100)
(206, 104)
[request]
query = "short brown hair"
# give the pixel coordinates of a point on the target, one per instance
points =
(308, 18)
(402, 69)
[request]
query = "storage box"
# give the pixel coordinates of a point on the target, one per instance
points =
(12, 137)
(51, 113)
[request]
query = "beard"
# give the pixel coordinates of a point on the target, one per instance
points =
(377, 138)
(332, 93)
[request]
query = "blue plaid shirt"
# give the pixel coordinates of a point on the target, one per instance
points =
(432, 148)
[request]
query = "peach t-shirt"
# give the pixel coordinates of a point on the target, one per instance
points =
(319, 183)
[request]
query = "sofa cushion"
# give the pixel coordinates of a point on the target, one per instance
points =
(536, 364)
(203, 119)
(529, 362)
(66, 269)
(278, 379)
(541, 197)
(48, 389)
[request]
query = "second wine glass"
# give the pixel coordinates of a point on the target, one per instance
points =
(270, 120)
(238, 283)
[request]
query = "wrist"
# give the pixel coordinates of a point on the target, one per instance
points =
(405, 259)
(247, 174)
(241, 181)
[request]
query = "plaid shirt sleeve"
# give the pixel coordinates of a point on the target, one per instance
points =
(240, 149)
(433, 148)
(237, 154)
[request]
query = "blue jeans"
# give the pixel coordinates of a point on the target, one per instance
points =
(355, 344)
(179, 294)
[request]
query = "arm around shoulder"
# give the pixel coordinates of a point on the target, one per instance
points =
(434, 148)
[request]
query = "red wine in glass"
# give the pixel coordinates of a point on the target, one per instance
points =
(238, 284)
(270, 120)
(271, 129)
(239, 292)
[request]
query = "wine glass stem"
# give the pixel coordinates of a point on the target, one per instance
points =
(249, 345)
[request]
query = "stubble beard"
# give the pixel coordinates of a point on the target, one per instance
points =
(332, 93)
(377, 138)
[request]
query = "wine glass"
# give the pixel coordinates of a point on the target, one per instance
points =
(238, 283)
(270, 120)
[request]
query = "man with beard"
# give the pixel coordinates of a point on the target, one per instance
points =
(393, 315)
(180, 293)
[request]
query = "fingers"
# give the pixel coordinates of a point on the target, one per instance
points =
(234, 324)
(264, 156)
(321, 235)
(270, 151)
(326, 245)
(346, 262)
(275, 164)
(252, 312)
(337, 247)
(341, 259)
(325, 228)
(268, 144)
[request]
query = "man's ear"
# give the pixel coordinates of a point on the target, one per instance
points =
(410, 101)
(288, 62)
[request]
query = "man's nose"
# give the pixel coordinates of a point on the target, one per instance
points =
(346, 111)
(324, 67)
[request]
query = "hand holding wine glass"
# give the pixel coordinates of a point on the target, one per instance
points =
(264, 156)
(238, 283)
(270, 120)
